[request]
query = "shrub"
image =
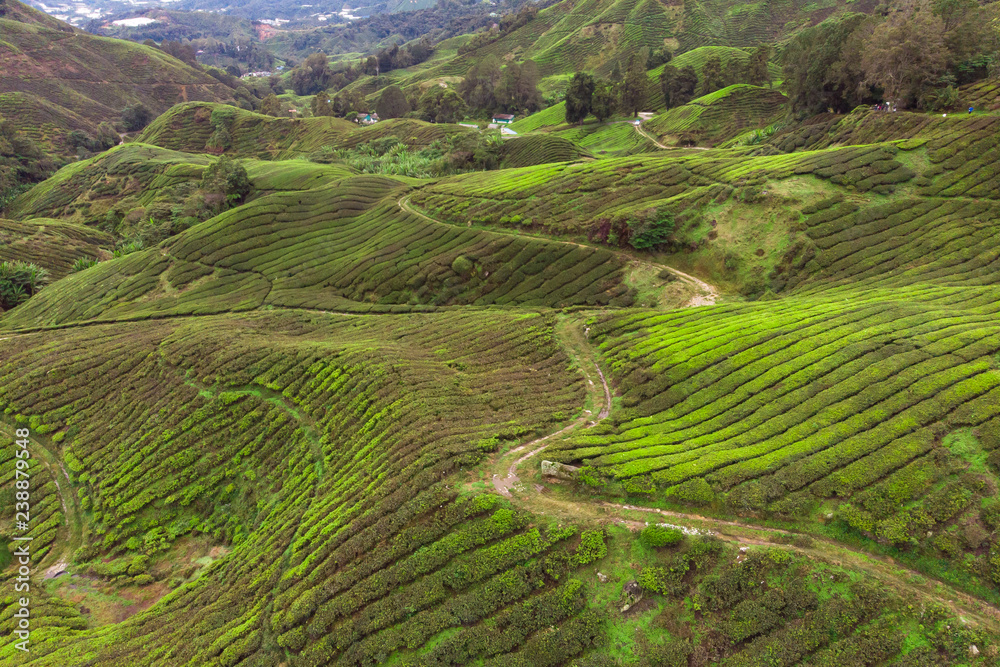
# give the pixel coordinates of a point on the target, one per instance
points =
(19, 281)
(592, 547)
(84, 263)
(694, 491)
(652, 228)
(129, 248)
(136, 116)
(462, 265)
(227, 178)
(660, 536)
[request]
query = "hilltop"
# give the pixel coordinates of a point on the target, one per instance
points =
(55, 79)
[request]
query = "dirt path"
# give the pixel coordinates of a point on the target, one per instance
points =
(638, 128)
(709, 293)
(572, 333)
(554, 501)
(72, 513)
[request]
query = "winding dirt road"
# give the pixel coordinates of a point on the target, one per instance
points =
(542, 500)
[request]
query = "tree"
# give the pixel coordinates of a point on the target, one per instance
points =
(678, 85)
(905, 53)
(634, 85)
(579, 97)
(347, 101)
(711, 76)
(442, 105)
(821, 65)
(734, 71)
(604, 102)
(271, 106)
(136, 116)
(227, 178)
(320, 104)
(659, 57)
(312, 76)
(106, 136)
(757, 72)
(668, 78)
(392, 103)
(478, 88)
(518, 88)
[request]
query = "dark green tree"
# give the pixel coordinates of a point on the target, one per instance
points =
(136, 116)
(734, 71)
(821, 65)
(479, 86)
(321, 104)
(634, 86)
(271, 105)
(442, 105)
(711, 76)
(579, 97)
(757, 72)
(604, 102)
(518, 91)
(392, 103)
(678, 85)
(312, 76)
(228, 179)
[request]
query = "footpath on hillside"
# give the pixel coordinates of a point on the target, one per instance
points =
(707, 295)
(64, 545)
(554, 499)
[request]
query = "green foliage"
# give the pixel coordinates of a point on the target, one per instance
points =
(84, 263)
(579, 97)
(442, 105)
(660, 536)
(592, 547)
(228, 179)
(136, 116)
(651, 229)
(392, 103)
(19, 281)
(129, 248)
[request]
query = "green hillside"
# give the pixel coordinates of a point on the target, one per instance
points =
(55, 79)
(715, 385)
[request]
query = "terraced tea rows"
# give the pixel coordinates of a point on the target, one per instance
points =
(193, 128)
(326, 248)
(720, 115)
(309, 478)
(51, 244)
(813, 399)
(529, 151)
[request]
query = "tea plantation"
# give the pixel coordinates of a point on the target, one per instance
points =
(303, 424)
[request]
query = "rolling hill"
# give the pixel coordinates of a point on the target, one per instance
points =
(611, 402)
(55, 79)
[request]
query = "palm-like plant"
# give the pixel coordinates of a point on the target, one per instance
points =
(20, 281)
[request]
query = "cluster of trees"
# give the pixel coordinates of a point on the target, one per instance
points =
(627, 92)
(394, 57)
(603, 98)
(508, 24)
(489, 87)
(915, 56)
(83, 143)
